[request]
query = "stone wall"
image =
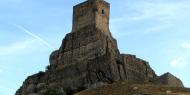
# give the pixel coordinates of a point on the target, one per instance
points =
(89, 43)
(83, 16)
(89, 56)
(92, 12)
(102, 16)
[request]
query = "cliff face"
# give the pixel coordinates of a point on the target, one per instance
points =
(88, 57)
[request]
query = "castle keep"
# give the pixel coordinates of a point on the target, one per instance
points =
(92, 13)
(89, 18)
(89, 56)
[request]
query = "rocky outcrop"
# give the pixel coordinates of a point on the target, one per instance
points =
(89, 57)
(84, 59)
(170, 80)
(136, 69)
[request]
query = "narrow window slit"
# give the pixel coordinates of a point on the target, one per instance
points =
(103, 12)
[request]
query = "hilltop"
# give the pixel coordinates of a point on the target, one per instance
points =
(89, 57)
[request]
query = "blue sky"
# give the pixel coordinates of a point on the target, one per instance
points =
(155, 30)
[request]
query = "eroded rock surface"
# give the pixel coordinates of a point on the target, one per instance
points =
(89, 57)
(83, 61)
(170, 80)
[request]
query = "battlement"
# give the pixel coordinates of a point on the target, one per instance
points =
(91, 13)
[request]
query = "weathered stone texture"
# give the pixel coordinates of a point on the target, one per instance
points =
(92, 12)
(136, 69)
(88, 57)
(170, 80)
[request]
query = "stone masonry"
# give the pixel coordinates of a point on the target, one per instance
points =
(89, 56)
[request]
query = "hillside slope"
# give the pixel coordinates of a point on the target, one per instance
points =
(135, 88)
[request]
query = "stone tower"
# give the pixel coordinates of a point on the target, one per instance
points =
(89, 56)
(92, 13)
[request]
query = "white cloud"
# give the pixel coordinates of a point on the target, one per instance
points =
(157, 10)
(28, 44)
(162, 10)
(178, 63)
(156, 15)
(34, 36)
(185, 45)
(157, 28)
(16, 47)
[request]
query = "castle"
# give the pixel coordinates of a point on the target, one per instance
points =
(94, 13)
(89, 56)
(91, 15)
